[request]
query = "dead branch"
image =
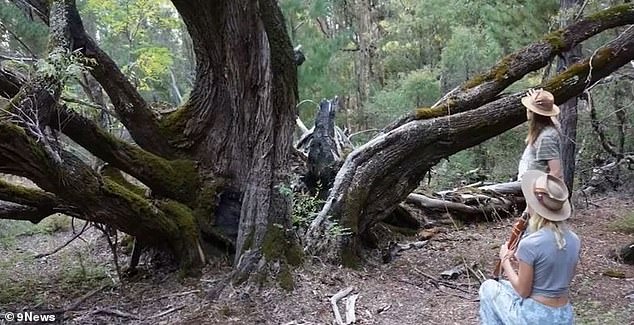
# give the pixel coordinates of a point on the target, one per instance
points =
(350, 315)
(169, 311)
(333, 301)
(76, 303)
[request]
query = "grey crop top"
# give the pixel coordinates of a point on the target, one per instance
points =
(553, 268)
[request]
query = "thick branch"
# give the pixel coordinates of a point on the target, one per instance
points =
(99, 199)
(483, 88)
(28, 196)
(14, 211)
(176, 179)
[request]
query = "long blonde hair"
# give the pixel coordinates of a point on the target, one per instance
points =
(538, 123)
(537, 222)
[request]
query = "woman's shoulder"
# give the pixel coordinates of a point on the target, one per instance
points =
(549, 131)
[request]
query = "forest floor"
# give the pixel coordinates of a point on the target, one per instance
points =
(403, 291)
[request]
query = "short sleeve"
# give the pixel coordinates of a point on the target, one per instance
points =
(525, 252)
(548, 147)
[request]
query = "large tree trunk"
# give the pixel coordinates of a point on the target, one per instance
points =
(216, 168)
(380, 174)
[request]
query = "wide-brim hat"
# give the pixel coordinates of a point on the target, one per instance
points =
(547, 195)
(541, 102)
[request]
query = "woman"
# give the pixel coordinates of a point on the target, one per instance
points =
(547, 258)
(542, 142)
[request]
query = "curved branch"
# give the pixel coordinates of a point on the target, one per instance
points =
(483, 88)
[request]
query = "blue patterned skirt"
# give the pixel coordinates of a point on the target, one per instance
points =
(500, 304)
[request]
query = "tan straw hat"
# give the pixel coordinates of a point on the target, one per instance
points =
(541, 102)
(546, 194)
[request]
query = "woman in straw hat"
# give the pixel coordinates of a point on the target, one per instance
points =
(538, 292)
(542, 142)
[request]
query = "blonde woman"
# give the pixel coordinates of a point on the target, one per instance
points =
(547, 258)
(542, 143)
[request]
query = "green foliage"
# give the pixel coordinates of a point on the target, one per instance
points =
(305, 209)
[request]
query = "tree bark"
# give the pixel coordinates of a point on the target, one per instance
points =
(568, 116)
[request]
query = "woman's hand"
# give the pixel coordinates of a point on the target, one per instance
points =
(531, 92)
(505, 252)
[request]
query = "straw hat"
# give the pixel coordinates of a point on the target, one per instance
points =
(541, 102)
(546, 194)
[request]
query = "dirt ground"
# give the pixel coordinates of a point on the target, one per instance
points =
(408, 290)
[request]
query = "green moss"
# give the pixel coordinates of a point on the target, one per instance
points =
(498, 73)
(611, 13)
(278, 246)
(577, 73)
(116, 176)
(424, 113)
(139, 205)
(173, 124)
(285, 279)
(207, 200)
(349, 256)
(181, 174)
(182, 216)
(556, 40)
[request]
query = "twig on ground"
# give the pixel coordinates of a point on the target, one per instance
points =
(169, 311)
(83, 298)
(177, 294)
(333, 301)
(114, 312)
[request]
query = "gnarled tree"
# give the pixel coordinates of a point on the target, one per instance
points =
(217, 167)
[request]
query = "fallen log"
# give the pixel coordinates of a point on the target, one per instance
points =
(472, 203)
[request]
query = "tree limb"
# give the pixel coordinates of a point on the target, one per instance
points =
(14, 211)
(483, 88)
(164, 177)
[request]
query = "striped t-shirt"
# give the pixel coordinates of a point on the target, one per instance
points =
(537, 155)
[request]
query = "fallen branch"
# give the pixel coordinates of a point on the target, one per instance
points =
(350, 316)
(333, 301)
(80, 300)
(169, 311)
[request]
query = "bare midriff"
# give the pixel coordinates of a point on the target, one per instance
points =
(551, 301)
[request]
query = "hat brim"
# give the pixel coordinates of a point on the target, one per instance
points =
(528, 179)
(526, 101)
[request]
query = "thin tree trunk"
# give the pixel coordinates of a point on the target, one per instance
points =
(568, 117)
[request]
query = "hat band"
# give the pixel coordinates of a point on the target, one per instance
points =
(543, 106)
(549, 202)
